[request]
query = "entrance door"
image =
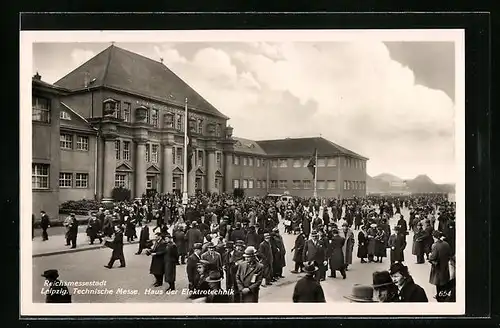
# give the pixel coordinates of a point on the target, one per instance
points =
(151, 183)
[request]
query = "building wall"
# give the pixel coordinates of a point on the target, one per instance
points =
(353, 171)
(87, 104)
(45, 150)
(249, 172)
(78, 161)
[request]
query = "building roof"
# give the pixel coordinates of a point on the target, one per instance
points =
(124, 70)
(75, 120)
(291, 147)
(37, 82)
(248, 146)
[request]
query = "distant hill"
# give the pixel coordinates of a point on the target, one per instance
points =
(387, 183)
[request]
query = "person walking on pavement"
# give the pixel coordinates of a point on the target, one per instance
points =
(348, 247)
(93, 229)
(171, 260)
(44, 224)
(72, 230)
(157, 267)
(308, 289)
(336, 255)
(117, 246)
(298, 250)
(57, 291)
(314, 251)
(439, 258)
(144, 241)
(249, 277)
(397, 245)
(266, 258)
(66, 225)
(408, 290)
(192, 265)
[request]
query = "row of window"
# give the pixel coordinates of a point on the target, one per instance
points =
(354, 185)
(66, 142)
(73, 180)
(122, 180)
(249, 184)
(300, 162)
(248, 161)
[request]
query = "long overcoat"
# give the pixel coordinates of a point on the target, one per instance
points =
(180, 242)
(308, 290)
(249, 275)
(348, 247)
(362, 245)
(170, 260)
(298, 248)
(439, 258)
(335, 254)
(397, 244)
(157, 266)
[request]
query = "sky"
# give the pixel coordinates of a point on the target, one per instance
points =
(392, 102)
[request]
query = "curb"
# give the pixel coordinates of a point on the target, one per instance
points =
(75, 250)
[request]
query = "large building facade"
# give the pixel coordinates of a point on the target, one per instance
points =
(118, 121)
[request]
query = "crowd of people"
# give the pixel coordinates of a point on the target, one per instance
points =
(238, 240)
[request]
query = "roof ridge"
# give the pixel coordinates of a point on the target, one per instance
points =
(105, 73)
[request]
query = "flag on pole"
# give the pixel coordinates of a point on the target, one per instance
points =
(190, 149)
(312, 162)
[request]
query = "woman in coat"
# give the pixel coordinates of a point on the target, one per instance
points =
(380, 244)
(180, 241)
(372, 242)
(397, 244)
(348, 247)
(429, 230)
(362, 245)
(298, 250)
(419, 238)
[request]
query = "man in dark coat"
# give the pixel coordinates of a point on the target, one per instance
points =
(362, 252)
(57, 291)
(238, 233)
(217, 294)
(409, 291)
(235, 259)
(265, 254)
(193, 236)
(315, 251)
(397, 244)
(335, 255)
(249, 277)
(252, 238)
(403, 226)
(439, 258)
(44, 224)
(170, 260)
(117, 246)
(192, 264)
(384, 289)
(144, 241)
(214, 258)
(180, 242)
(72, 230)
(157, 267)
(279, 252)
(308, 289)
(298, 250)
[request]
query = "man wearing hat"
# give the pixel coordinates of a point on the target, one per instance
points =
(408, 290)
(266, 258)
(298, 250)
(397, 245)
(361, 294)
(157, 267)
(278, 249)
(348, 247)
(193, 236)
(235, 257)
(192, 263)
(117, 246)
(308, 289)
(335, 255)
(200, 284)
(216, 293)
(315, 251)
(170, 260)
(44, 224)
(385, 291)
(213, 257)
(249, 277)
(439, 258)
(419, 238)
(57, 291)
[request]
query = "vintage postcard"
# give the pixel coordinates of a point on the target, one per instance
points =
(173, 169)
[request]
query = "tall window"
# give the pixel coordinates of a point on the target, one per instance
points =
(283, 163)
(81, 180)
(250, 161)
(297, 163)
(236, 160)
(245, 161)
(274, 184)
(117, 149)
(218, 159)
(65, 180)
(178, 156)
(245, 183)
(218, 129)
(250, 184)
(121, 180)
(40, 176)
(321, 184)
(274, 163)
(82, 143)
(331, 162)
(236, 183)
(321, 162)
(169, 120)
(40, 109)
(259, 184)
(154, 153)
(127, 109)
(66, 141)
(257, 162)
(264, 184)
(200, 158)
(296, 184)
(118, 111)
(330, 184)
(148, 116)
(148, 153)
(345, 185)
(179, 122)
(126, 150)
(282, 184)
(200, 126)
(174, 184)
(154, 117)
(307, 184)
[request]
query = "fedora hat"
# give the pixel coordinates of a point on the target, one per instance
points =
(310, 268)
(197, 246)
(361, 294)
(229, 244)
(239, 243)
(52, 273)
(214, 276)
(398, 267)
(249, 251)
(381, 279)
(314, 233)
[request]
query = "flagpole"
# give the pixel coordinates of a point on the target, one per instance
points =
(185, 176)
(315, 173)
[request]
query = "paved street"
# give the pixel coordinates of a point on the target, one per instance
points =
(88, 266)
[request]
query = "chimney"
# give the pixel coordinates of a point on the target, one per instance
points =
(86, 79)
(37, 77)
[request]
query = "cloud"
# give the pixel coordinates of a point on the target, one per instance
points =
(351, 93)
(80, 56)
